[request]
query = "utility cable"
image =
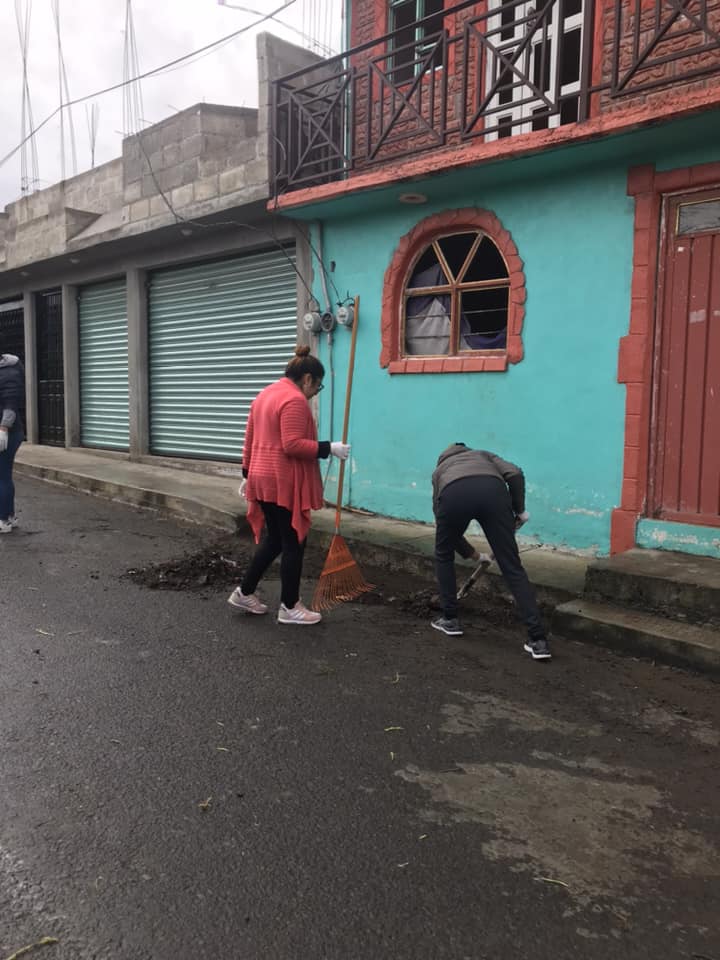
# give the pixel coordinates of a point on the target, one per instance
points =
(269, 233)
(179, 218)
(148, 73)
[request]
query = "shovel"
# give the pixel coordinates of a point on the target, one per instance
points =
(485, 560)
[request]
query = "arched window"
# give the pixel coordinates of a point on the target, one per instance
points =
(454, 296)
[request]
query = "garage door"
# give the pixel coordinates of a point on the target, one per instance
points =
(219, 333)
(102, 319)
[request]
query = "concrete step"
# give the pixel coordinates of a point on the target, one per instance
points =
(677, 585)
(636, 632)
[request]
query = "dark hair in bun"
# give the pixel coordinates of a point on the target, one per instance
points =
(303, 363)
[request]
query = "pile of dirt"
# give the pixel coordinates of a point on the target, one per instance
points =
(218, 565)
(222, 563)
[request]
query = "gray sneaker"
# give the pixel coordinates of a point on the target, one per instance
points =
(451, 627)
(538, 649)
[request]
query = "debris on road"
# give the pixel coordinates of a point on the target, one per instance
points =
(43, 942)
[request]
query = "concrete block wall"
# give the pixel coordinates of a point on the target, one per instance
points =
(40, 224)
(199, 155)
(202, 160)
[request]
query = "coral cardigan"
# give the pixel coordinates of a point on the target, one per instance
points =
(280, 456)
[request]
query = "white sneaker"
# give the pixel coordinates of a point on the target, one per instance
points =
(249, 604)
(298, 614)
(13, 521)
(6, 526)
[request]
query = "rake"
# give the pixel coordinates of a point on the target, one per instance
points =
(341, 578)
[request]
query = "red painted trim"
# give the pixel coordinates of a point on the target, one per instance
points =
(635, 357)
(477, 152)
(408, 249)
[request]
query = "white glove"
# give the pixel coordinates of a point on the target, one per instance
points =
(340, 450)
(242, 488)
(3, 439)
(521, 518)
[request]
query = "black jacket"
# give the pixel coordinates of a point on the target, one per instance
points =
(12, 391)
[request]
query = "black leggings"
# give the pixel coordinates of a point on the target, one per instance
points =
(279, 537)
(487, 500)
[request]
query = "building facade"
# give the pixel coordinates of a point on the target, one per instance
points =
(152, 297)
(526, 199)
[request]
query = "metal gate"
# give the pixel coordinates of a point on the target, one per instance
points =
(102, 320)
(50, 376)
(12, 335)
(219, 333)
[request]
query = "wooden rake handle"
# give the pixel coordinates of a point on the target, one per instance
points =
(346, 419)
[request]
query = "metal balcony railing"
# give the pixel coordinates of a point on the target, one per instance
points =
(516, 67)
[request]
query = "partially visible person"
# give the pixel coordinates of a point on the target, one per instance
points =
(479, 485)
(12, 396)
(281, 481)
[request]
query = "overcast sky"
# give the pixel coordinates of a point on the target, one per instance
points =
(93, 41)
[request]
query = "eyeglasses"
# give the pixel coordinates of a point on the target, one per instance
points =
(320, 387)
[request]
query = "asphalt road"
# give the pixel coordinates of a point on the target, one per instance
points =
(178, 781)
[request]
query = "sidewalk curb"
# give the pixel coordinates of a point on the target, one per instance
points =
(185, 508)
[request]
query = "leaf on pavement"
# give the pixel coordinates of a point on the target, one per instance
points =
(43, 942)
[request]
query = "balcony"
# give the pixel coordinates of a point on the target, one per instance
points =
(465, 76)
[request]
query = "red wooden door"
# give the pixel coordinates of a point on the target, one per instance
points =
(685, 481)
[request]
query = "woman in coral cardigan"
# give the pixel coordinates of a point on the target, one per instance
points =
(281, 481)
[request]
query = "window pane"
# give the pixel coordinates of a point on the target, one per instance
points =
(432, 28)
(541, 57)
(505, 88)
(693, 217)
(507, 19)
(540, 118)
(505, 125)
(570, 57)
(433, 8)
(569, 110)
(570, 8)
(402, 19)
(483, 319)
(427, 326)
(455, 250)
(427, 271)
(487, 264)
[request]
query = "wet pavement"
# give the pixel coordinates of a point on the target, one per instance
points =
(179, 781)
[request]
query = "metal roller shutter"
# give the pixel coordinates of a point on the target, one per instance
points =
(102, 318)
(219, 333)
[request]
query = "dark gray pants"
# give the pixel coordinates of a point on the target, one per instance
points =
(487, 500)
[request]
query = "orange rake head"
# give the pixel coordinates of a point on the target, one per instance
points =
(341, 579)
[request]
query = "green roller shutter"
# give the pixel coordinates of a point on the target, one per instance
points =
(219, 333)
(102, 320)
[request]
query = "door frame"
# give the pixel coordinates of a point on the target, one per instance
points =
(636, 358)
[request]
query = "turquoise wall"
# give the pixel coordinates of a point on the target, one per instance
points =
(560, 412)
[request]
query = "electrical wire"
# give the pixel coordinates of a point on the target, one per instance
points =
(165, 67)
(278, 243)
(179, 218)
